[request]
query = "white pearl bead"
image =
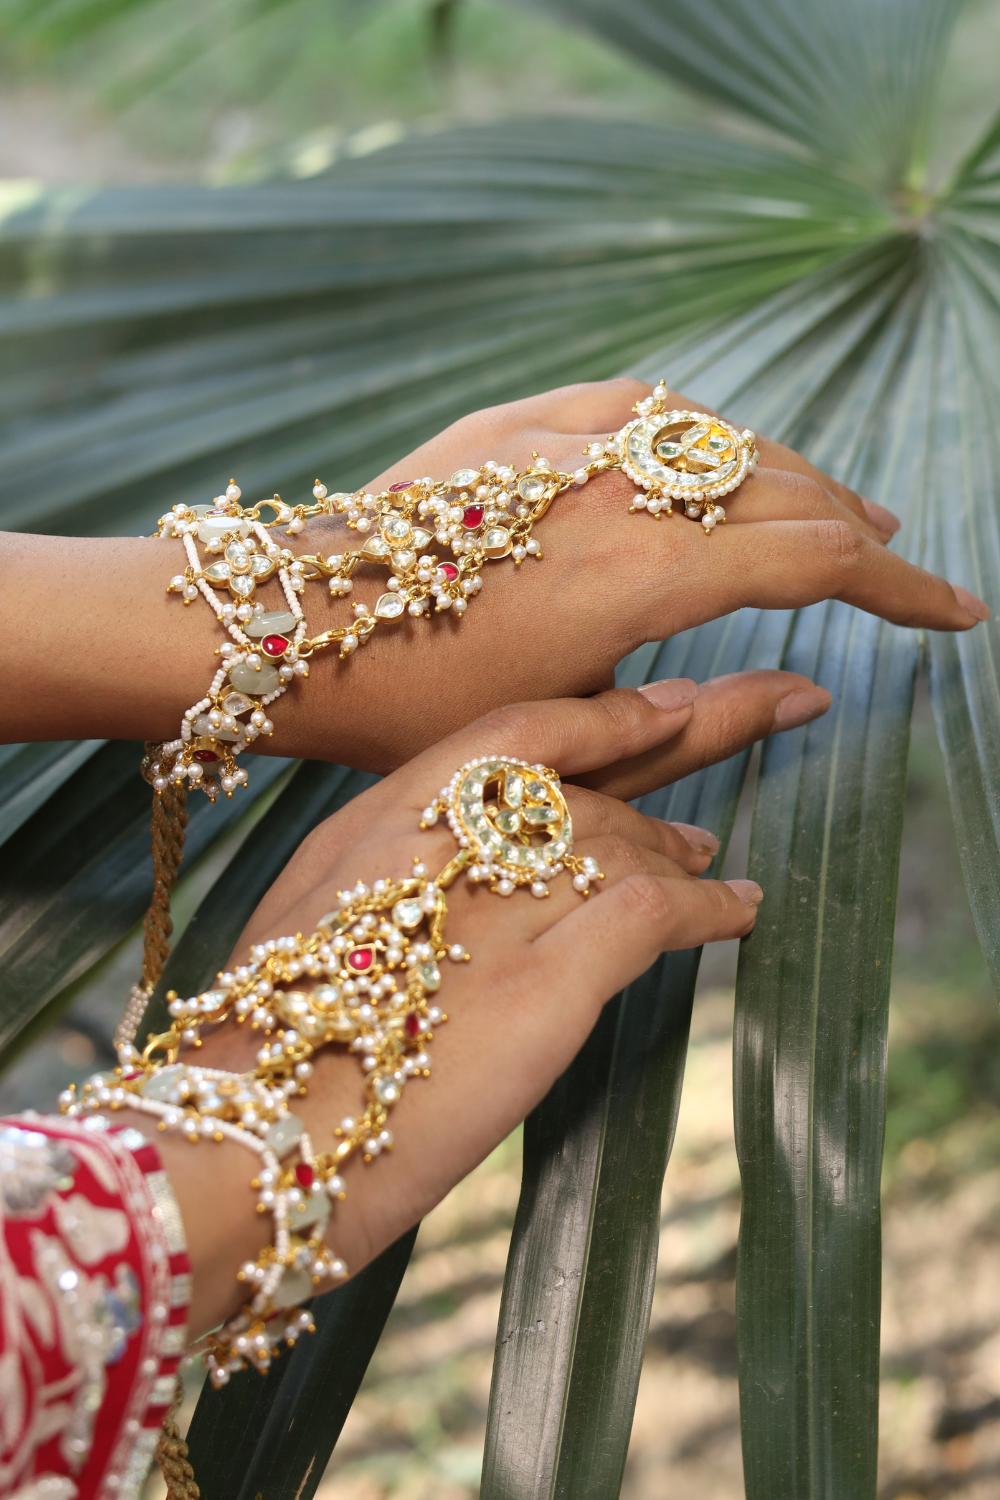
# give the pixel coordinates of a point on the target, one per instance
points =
(581, 883)
(505, 887)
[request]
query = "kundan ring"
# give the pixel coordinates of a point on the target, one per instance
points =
(687, 456)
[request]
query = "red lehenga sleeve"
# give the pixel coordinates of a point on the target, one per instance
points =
(94, 1289)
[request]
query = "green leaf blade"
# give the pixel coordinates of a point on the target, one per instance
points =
(812, 1003)
(580, 1277)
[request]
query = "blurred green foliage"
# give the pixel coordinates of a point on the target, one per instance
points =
(943, 1095)
(244, 87)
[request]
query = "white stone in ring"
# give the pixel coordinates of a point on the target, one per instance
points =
(529, 802)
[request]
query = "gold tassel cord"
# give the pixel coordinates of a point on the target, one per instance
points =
(168, 826)
(172, 1454)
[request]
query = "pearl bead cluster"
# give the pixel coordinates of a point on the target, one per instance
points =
(478, 516)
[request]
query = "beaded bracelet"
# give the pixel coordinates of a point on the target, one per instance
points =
(374, 966)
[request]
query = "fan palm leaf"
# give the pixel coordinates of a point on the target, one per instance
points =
(807, 280)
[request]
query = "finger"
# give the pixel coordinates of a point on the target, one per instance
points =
(778, 492)
(700, 839)
(728, 714)
(596, 816)
(777, 456)
(571, 734)
(789, 564)
(617, 858)
(613, 938)
(771, 494)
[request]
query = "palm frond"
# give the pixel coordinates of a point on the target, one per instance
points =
(156, 341)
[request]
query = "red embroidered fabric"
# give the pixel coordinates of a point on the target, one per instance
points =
(94, 1288)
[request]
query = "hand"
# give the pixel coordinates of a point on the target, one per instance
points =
(609, 581)
(521, 1009)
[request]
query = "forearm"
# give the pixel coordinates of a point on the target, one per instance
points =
(113, 655)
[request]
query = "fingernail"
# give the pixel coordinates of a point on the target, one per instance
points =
(799, 707)
(971, 602)
(698, 838)
(748, 891)
(672, 693)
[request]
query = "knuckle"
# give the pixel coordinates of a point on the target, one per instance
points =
(600, 813)
(842, 547)
(516, 724)
(809, 495)
(648, 897)
(613, 851)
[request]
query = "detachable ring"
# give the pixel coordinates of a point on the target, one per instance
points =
(687, 456)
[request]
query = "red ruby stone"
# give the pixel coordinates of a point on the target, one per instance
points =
(472, 517)
(127, 1077)
(205, 756)
(413, 1025)
(274, 645)
(360, 959)
(450, 571)
(404, 484)
(304, 1174)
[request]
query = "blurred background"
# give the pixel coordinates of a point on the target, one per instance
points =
(113, 91)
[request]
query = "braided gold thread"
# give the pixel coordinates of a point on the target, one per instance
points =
(172, 1454)
(169, 822)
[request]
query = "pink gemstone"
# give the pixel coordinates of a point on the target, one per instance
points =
(207, 757)
(450, 571)
(274, 645)
(127, 1077)
(472, 517)
(304, 1174)
(360, 959)
(413, 1025)
(404, 484)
